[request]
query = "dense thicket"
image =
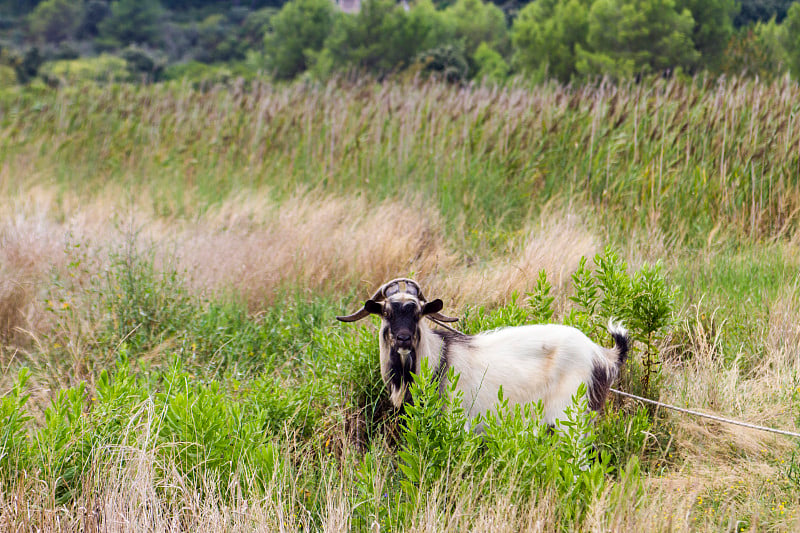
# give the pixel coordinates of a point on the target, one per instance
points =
(570, 40)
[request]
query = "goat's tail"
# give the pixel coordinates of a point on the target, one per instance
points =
(606, 370)
(622, 341)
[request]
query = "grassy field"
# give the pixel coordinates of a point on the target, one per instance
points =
(172, 259)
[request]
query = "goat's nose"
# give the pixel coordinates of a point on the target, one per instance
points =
(404, 336)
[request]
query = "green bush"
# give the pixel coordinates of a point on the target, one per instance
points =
(54, 21)
(545, 36)
(490, 65)
(103, 68)
(14, 442)
(8, 78)
(299, 30)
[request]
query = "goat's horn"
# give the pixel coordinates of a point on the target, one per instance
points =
(358, 315)
(442, 318)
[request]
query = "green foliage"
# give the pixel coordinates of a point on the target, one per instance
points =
(511, 314)
(54, 21)
(298, 31)
(103, 69)
(26, 64)
(382, 37)
(628, 37)
(144, 305)
(643, 302)
(757, 50)
(446, 61)
(622, 435)
(130, 22)
(490, 65)
(8, 78)
(94, 12)
(14, 442)
(143, 64)
(219, 40)
(755, 11)
(63, 443)
(522, 454)
(433, 440)
(713, 27)
(546, 35)
(474, 22)
(791, 39)
(540, 301)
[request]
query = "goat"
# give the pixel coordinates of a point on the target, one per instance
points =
(545, 362)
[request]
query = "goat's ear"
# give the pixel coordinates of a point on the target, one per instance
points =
(434, 306)
(373, 307)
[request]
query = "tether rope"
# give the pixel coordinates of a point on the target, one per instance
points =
(674, 408)
(706, 415)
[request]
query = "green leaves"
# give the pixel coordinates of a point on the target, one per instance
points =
(13, 431)
(435, 437)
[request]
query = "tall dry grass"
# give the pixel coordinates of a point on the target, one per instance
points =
(254, 246)
(637, 152)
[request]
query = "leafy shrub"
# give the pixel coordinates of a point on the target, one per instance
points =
(447, 61)
(54, 21)
(434, 437)
(8, 78)
(103, 68)
(143, 64)
(299, 29)
(643, 301)
(63, 445)
(13, 433)
(523, 453)
(143, 305)
(490, 65)
(130, 22)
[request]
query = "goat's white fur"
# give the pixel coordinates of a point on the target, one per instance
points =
(544, 362)
(531, 363)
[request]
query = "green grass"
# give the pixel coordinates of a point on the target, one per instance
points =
(690, 156)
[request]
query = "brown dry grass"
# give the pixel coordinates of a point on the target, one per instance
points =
(254, 246)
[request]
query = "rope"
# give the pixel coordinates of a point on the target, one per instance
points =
(674, 408)
(704, 415)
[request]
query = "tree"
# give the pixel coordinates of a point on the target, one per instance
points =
(629, 37)
(790, 37)
(491, 65)
(218, 40)
(382, 37)
(757, 51)
(476, 22)
(299, 30)
(131, 22)
(713, 27)
(761, 11)
(93, 14)
(545, 36)
(54, 21)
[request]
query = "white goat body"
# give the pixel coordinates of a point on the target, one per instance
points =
(546, 362)
(531, 363)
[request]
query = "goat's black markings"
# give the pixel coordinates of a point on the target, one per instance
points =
(449, 339)
(598, 387)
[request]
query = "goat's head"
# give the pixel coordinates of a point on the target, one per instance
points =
(401, 305)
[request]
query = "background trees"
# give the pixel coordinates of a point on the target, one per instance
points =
(566, 40)
(299, 30)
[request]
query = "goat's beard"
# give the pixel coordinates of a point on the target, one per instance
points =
(400, 378)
